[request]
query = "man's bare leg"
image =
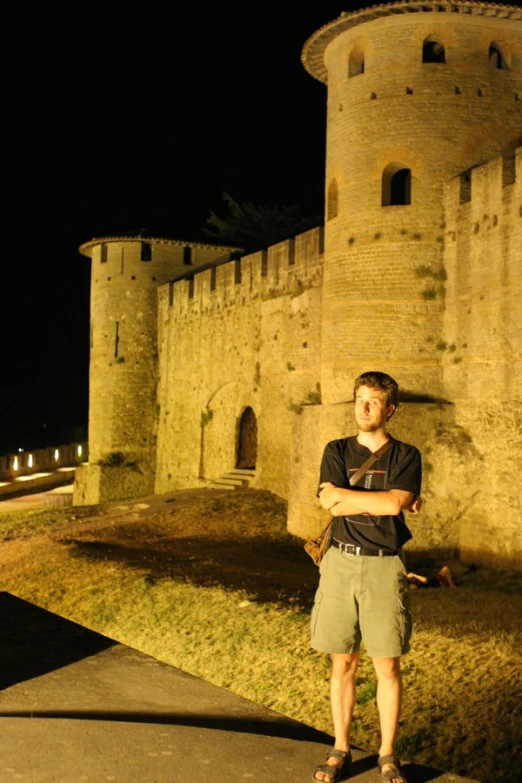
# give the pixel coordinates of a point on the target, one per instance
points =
(342, 697)
(389, 699)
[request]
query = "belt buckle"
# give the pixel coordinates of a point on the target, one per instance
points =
(350, 549)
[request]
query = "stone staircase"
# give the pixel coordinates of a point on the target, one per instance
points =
(239, 478)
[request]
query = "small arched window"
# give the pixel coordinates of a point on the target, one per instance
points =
(396, 185)
(332, 202)
(496, 58)
(433, 51)
(356, 62)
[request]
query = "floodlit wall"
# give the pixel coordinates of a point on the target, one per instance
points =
(245, 334)
(482, 351)
(52, 458)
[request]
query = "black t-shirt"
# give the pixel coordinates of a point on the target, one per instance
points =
(399, 468)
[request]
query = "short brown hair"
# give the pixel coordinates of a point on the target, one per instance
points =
(382, 381)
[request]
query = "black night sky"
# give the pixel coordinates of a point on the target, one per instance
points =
(121, 120)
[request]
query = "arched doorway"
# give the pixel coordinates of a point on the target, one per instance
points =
(247, 441)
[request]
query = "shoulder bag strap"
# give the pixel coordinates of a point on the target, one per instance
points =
(369, 462)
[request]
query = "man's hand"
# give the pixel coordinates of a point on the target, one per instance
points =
(328, 495)
(415, 505)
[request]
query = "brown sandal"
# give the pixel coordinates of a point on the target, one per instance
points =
(391, 774)
(333, 773)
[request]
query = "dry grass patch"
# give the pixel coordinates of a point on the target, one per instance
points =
(220, 590)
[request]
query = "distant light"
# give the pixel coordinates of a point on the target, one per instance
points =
(20, 451)
(15, 463)
(31, 477)
(56, 455)
(80, 451)
(30, 461)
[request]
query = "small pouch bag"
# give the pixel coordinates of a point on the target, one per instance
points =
(318, 547)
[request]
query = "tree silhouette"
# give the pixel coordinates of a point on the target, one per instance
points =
(253, 227)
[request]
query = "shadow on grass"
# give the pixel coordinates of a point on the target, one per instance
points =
(268, 570)
(278, 570)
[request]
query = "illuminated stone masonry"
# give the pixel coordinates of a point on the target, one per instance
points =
(418, 272)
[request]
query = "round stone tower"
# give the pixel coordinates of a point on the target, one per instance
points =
(418, 93)
(126, 272)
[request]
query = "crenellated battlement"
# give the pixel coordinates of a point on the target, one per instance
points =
(286, 268)
(483, 194)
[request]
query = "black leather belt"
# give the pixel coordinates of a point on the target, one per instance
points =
(351, 549)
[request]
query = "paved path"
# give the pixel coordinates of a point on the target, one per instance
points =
(60, 496)
(77, 706)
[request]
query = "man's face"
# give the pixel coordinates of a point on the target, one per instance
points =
(371, 410)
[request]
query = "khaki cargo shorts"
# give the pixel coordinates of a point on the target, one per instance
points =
(362, 598)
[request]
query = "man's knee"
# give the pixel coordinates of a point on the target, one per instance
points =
(387, 668)
(344, 664)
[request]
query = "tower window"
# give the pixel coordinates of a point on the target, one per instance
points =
(356, 63)
(116, 339)
(332, 200)
(496, 57)
(396, 185)
(264, 262)
(509, 169)
(465, 187)
(433, 51)
(187, 255)
(103, 253)
(291, 252)
(146, 251)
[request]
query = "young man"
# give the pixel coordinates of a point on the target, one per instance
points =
(363, 590)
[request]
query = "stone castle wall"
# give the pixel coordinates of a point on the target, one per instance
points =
(482, 352)
(245, 334)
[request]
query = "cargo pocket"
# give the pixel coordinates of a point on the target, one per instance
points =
(405, 623)
(315, 612)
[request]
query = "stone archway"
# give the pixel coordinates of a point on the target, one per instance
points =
(247, 440)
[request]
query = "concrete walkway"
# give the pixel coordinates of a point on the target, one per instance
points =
(52, 498)
(77, 706)
(37, 482)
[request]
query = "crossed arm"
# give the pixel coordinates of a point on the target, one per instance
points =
(343, 502)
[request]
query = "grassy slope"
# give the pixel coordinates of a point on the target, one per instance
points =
(219, 590)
